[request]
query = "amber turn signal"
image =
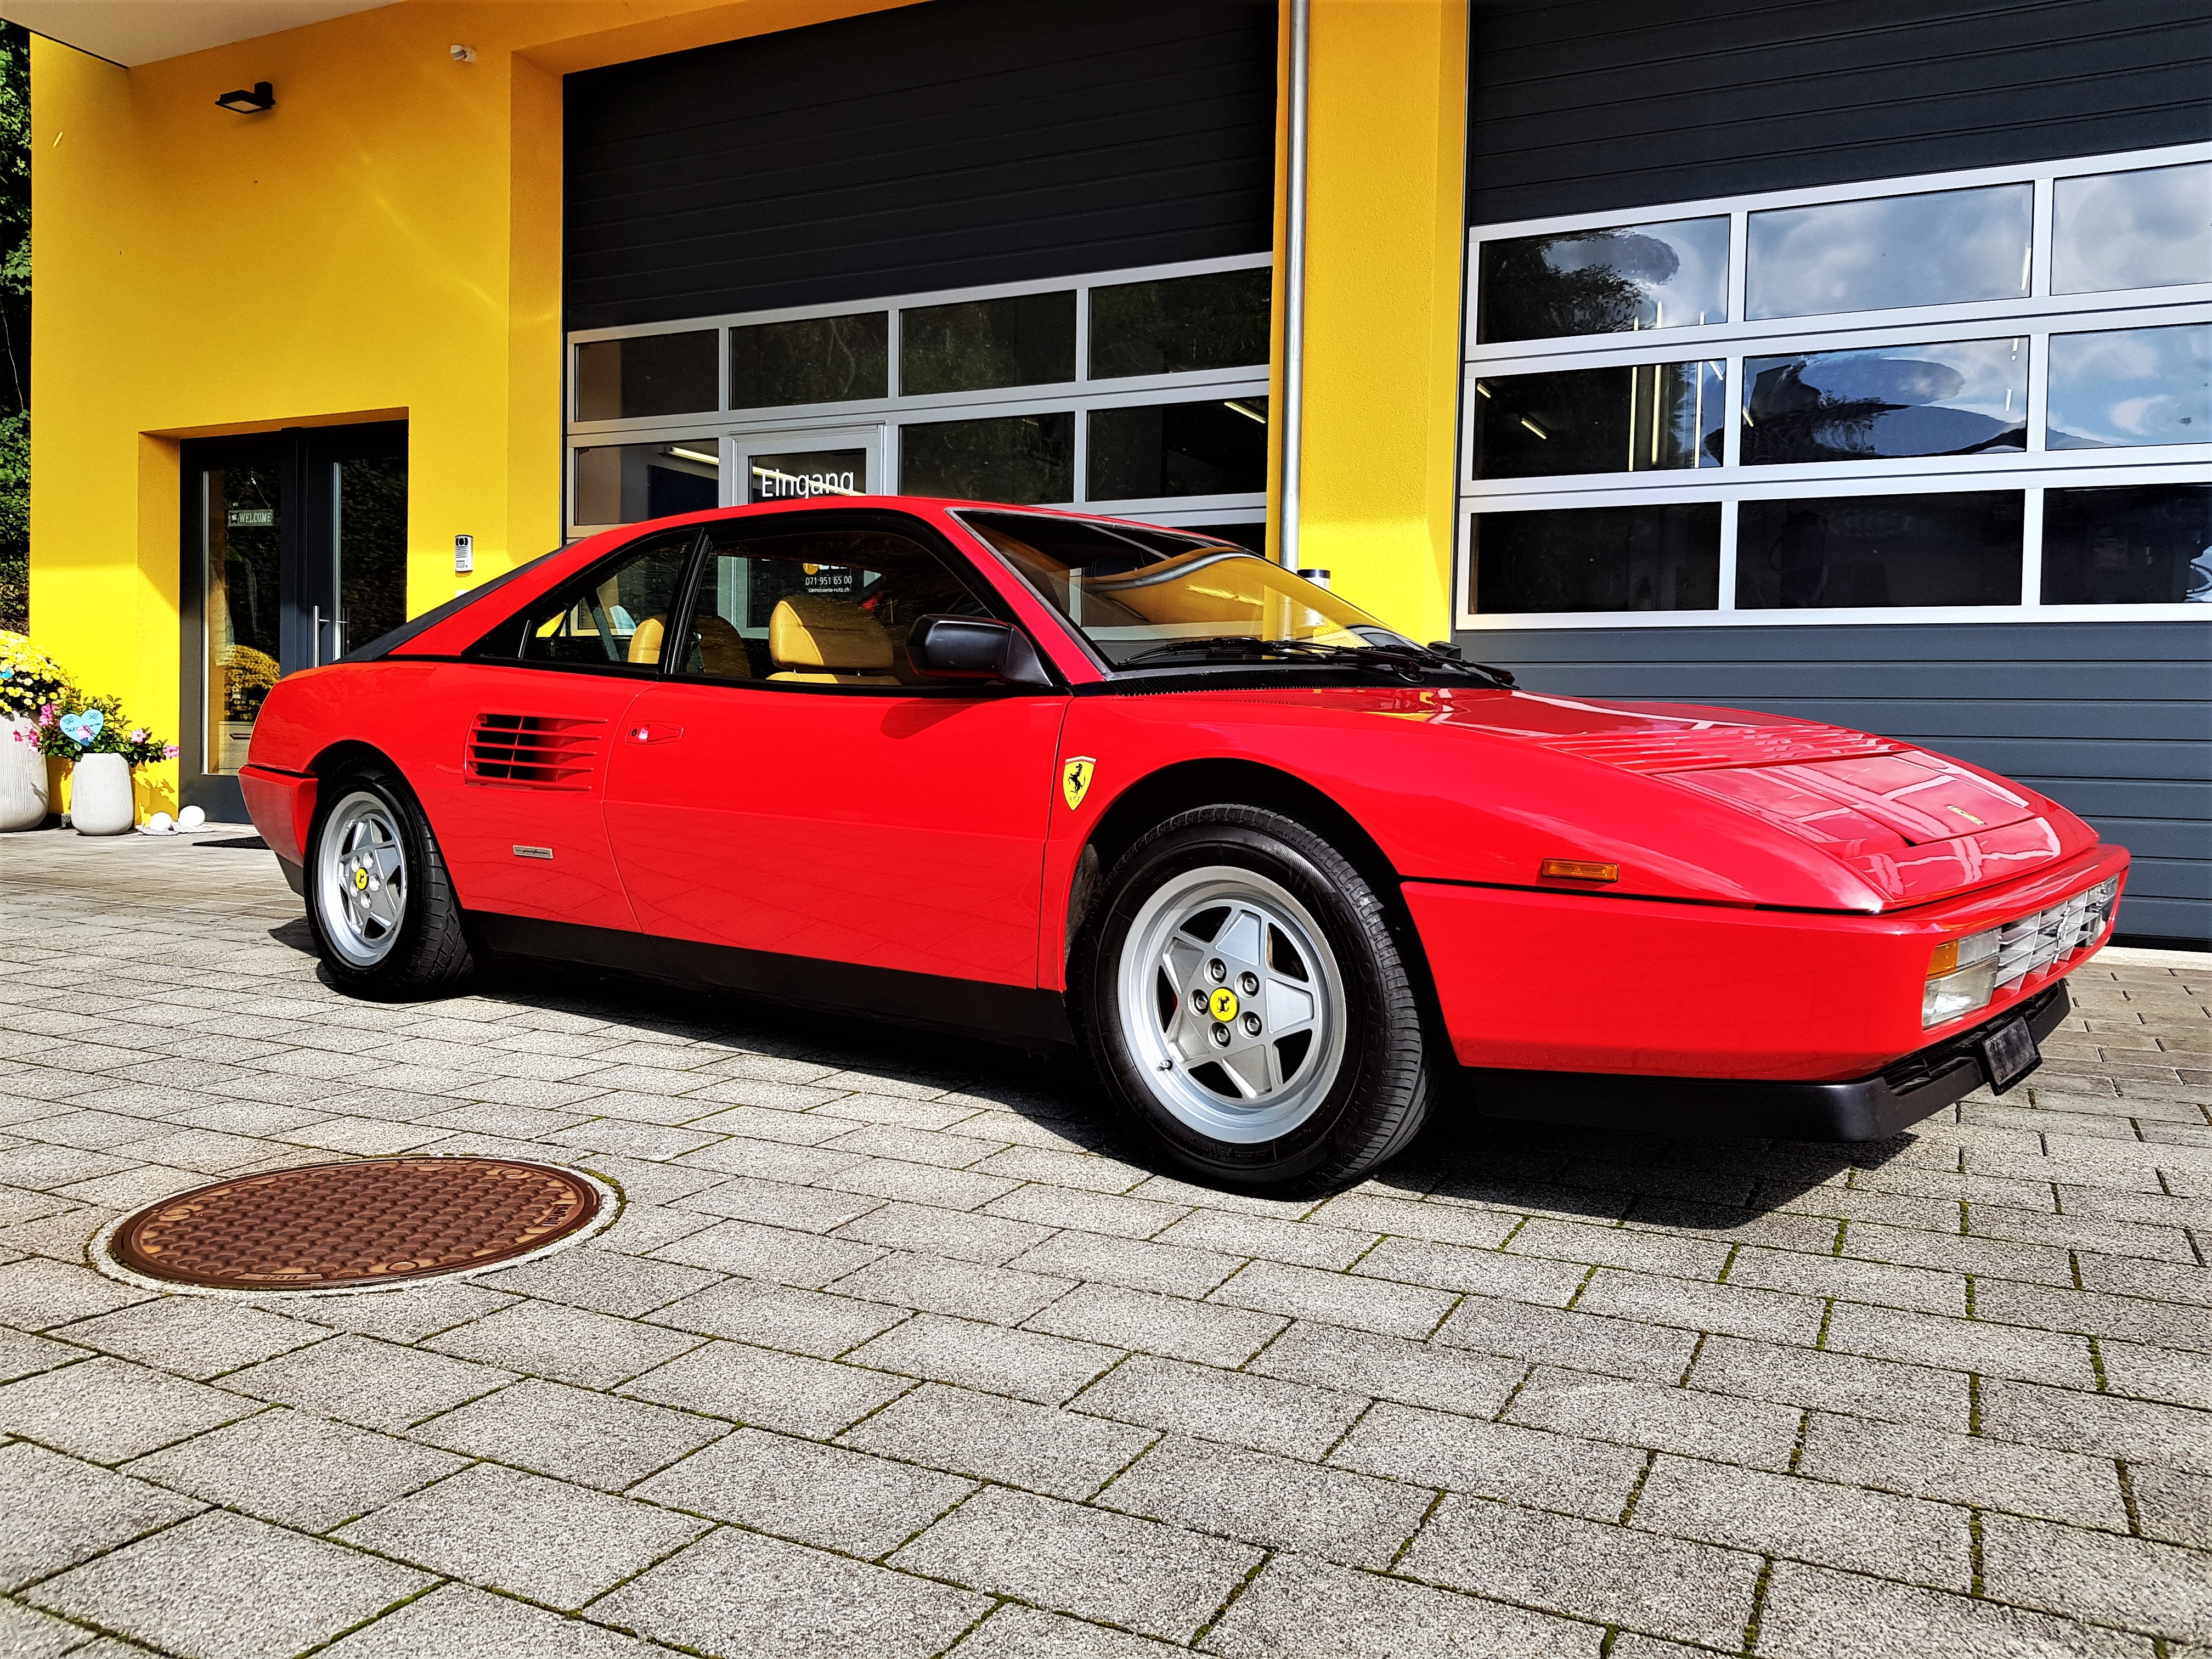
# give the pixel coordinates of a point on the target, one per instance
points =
(1580, 870)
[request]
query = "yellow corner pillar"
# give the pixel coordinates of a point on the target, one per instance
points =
(1386, 237)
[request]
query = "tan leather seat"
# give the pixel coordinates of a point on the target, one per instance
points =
(722, 648)
(645, 643)
(828, 642)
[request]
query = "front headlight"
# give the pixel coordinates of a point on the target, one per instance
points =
(1962, 976)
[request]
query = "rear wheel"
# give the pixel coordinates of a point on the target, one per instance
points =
(378, 901)
(1240, 992)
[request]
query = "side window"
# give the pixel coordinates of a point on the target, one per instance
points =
(818, 607)
(615, 615)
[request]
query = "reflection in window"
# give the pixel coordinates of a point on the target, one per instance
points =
(814, 360)
(1029, 340)
(1180, 323)
(2130, 386)
(645, 375)
(1603, 281)
(1840, 551)
(2149, 228)
(1022, 458)
(369, 527)
(1652, 418)
(624, 484)
(1213, 446)
(1937, 248)
(2136, 545)
(1961, 398)
(1649, 557)
(245, 594)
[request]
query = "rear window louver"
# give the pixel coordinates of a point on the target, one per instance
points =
(536, 751)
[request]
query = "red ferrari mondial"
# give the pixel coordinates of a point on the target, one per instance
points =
(1281, 873)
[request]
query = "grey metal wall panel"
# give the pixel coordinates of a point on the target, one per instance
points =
(933, 146)
(1598, 104)
(2113, 719)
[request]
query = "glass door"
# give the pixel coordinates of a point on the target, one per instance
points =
(781, 467)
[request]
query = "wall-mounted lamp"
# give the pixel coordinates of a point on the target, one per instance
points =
(250, 100)
(462, 54)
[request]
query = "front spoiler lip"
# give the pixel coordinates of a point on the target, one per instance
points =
(1867, 1108)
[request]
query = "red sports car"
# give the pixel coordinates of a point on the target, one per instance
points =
(1280, 871)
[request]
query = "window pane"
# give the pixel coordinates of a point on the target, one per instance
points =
(1022, 458)
(1026, 341)
(616, 615)
(817, 360)
(1839, 551)
(1216, 446)
(1655, 557)
(622, 483)
(652, 374)
(369, 527)
(2130, 386)
(245, 593)
(2149, 229)
(1933, 249)
(1180, 324)
(1962, 397)
(1652, 418)
(2139, 544)
(1603, 281)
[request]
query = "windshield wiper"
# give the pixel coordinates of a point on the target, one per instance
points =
(1409, 662)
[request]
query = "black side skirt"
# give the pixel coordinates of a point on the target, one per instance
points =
(1870, 1109)
(1024, 1017)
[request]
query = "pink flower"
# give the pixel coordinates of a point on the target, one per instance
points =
(169, 753)
(137, 734)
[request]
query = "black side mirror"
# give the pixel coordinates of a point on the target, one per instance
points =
(946, 647)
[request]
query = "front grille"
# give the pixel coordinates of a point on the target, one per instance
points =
(1909, 1073)
(2031, 944)
(538, 751)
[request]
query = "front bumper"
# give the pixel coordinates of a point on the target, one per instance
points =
(1868, 1109)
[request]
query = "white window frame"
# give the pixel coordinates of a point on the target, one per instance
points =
(1079, 396)
(2036, 318)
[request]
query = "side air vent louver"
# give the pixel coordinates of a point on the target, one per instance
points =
(536, 751)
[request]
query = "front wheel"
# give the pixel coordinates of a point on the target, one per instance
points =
(1240, 992)
(380, 905)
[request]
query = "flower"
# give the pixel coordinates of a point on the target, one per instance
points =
(169, 752)
(137, 734)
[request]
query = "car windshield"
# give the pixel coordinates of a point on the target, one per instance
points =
(1145, 597)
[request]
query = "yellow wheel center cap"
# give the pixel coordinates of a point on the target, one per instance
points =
(361, 879)
(1223, 1006)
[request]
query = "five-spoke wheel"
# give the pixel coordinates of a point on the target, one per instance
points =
(382, 909)
(361, 883)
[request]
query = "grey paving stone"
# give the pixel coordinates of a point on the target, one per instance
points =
(778, 1316)
(1018, 1632)
(1754, 1433)
(1521, 1330)
(964, 1290)
(21, 1353)
(1369, 1211)
(771, 1253)
(2132, 1318)
(1586, 1570)
(1391, 1368)
(920, 1183)
(1318, 1610)
(1043, 1449)
(1966, 1345)
(36, 1294)
(1278, 1502)
(374, 1384)
(1079, 1170)
(56, 1511)
(573, 1434)
(1493, 1459)
(1792, 1375)
(1027, 1364)
(1123, 1318)
(571, 1345)
(1073, 1559)
(399, 1315)
(738, 1596)
(295, 1468)
(2105, 1425)
(814, 1494)
(1120, 1216)
(1348, 1299)
(1727, 1310)
(1960, 1468)
(2156, 1589)
(627, 1286)
(2172, 1507)
(193, 1336)
(456, 1622)
(971, 1236)
(1303, 1243)
(26, 1633)
(797, 1394)
(1923, 1289)
(1813, 1613)
(779, 1204)
(1639, 1249)
(1171, 1269)
(222, 1586)
(107, 1409)
(544, 1539)
(1262, 1412)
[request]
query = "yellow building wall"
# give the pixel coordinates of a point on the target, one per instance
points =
(384, 243)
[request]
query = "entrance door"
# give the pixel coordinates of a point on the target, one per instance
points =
(779, 466)
(293, 552)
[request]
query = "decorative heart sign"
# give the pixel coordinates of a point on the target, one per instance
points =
(83, 728)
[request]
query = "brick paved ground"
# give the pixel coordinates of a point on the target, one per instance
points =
(893, 1353)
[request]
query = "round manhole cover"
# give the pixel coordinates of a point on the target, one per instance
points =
(369, 1221)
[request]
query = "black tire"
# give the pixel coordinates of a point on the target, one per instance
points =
(1385, 1078)
(427, 954)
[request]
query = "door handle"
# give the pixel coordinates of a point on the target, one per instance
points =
(654, 732)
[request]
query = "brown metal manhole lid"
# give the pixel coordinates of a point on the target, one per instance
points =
(367, 1221)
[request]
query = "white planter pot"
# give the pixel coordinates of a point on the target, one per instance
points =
(22, 777)
(100, 796)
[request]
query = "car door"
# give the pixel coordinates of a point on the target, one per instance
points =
(795, 789)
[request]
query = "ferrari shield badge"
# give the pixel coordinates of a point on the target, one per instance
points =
(1075, 779)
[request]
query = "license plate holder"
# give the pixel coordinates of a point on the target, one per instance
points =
(2009, 1054)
